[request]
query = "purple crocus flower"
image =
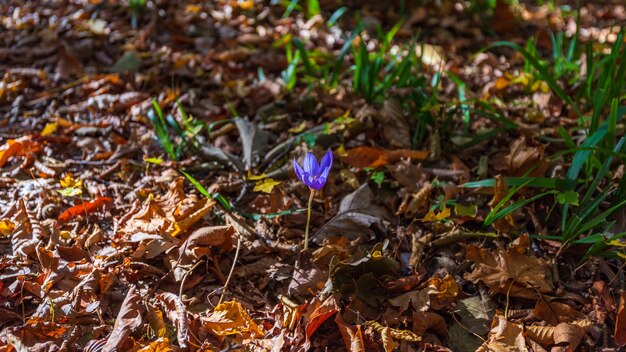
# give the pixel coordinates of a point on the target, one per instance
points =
(311, 173)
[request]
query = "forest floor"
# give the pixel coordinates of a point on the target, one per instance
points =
(149, 202)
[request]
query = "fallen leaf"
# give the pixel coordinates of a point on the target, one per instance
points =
(442, 291)
(128, 319)
(362, 157)
(266, 185)
(84, 209)
(388, 342)
(569, 334)
(504, 336)
(510, 272)
(177, 313)
(229, 318)
(432, 216)
(527, 158)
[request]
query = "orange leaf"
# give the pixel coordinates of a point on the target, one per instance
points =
(17, 147)
(366, 157)
(362, 157)
(230, 318)
(84, 209)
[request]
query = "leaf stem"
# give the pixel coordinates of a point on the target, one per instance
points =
(308, 220)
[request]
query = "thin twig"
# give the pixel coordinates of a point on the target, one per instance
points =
(182, 282)
(232, 269)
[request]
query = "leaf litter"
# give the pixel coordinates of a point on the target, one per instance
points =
(148, 202)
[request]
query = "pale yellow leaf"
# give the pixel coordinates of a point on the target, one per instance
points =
(266, 185)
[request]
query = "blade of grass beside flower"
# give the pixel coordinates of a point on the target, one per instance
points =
(160, 127)
(490, 219)
(540, 182)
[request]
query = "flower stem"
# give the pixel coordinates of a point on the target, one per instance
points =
(308, 220)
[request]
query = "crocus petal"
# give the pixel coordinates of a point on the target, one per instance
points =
(315, 182)
(310, 164)
(327, 163)
(299, 172)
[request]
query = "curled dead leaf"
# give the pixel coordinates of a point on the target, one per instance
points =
(230, 318)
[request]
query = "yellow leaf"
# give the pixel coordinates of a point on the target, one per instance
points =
(6, 227)
(341, 151)
(69, 181)
(152, 160)
(50, 128)
(71, 186)
(252, 177)
(301, 127)
(229, 318)
(267, 185)
(431, 216)
(617, 243)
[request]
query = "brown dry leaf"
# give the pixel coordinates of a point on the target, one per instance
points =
(541, 334)
(555, 312)
(510, 272)
(35, 335)
(352, 335)
(620, 323)
(323, 312)
(396, 130)
(177, 313)
(171, 215)
(128, 319)
(408, 174)
(570, 334)
(500, 191)
(151, 219)
(416, 203)
(527, 158)
(442, 292)
(429, 321)
(229, 318)
(388, 342)
(419, 301)
(361, 157)
(504, 336)
(203, 243)
(28, 232)
(184, 220)
(503, 19)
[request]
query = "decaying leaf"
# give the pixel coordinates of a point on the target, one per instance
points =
(172, 214)
(128, 319)
(510, 272)
(504, 336)
(442, 291)
(177, 313)
(396, 130)
(359, 217)
(254, 141)
(527, 159)
(229, 318)
(361, 157)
